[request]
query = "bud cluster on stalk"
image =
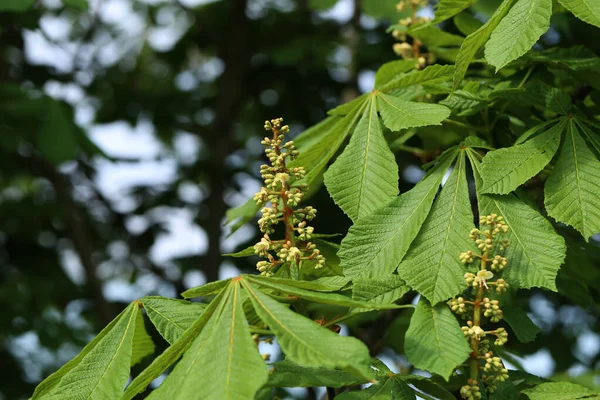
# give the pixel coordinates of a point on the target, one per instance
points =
(411, 51)
(479, 302)
(280, 196)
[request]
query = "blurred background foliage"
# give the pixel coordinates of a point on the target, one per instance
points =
(129, 127)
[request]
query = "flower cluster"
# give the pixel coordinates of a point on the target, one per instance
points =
(283, 190)
(403, 48)
(477, 305)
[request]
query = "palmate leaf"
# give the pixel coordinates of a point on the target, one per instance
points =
(322, 298)
(518, 31)
(223, 362)
(449, 8)
(171, 317)
(536, 251)
(474, 41)
(522, 325)
(206, 289)
(391, 70)
(400, 114)
(573, 188)
(434, 341)
(379, 291)
(506, 169)
(559, 391)
(101, 370)
(142, 345)
(288, 374)
(390, 388)
(585, 10)
(172, 353)
(431, 74)
(375, 245)
(365, 176)
(432, 266)
(308, 344)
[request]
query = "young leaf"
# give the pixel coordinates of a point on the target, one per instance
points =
(434, 341)
(375, 245)
(101, 369)
(308, 344)
(506, 169)
(573, 188)
(365, 176)
(171, 317)
(518, 31)
(585, 10)
(474, 41)
(223, 362)
(449, 8)
(522, 325)
(142, 345)
(558, 391)
(288, 374)
(432, 266)
(535, 247)
(400, 114)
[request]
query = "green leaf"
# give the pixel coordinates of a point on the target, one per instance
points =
(467, 23)
(432, 36)
(379, 290)
(557, 100)
(319, 144)
(524, 24)
(391, 70)
(143, 345)
(390, 388)
(449, 8)
(341, 110)
(101, 370)
(504, 391)
(223, 361)
(376, 245)
(434, 341)
(536, 250)
(206, 289)
(365, 176)
(324, 284)
(240, 215)
(427, 385)
(432, 266)
(432, 74)
(308, 344)
(288, 374)
(400, 114)
(521, 324)
(172, 353)
(474, 41)
(247, 252)
(558, 391)
(317, 297)
(573, 188)
(506, 169)
(16, 5)
(171, 317)
(585, 10)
